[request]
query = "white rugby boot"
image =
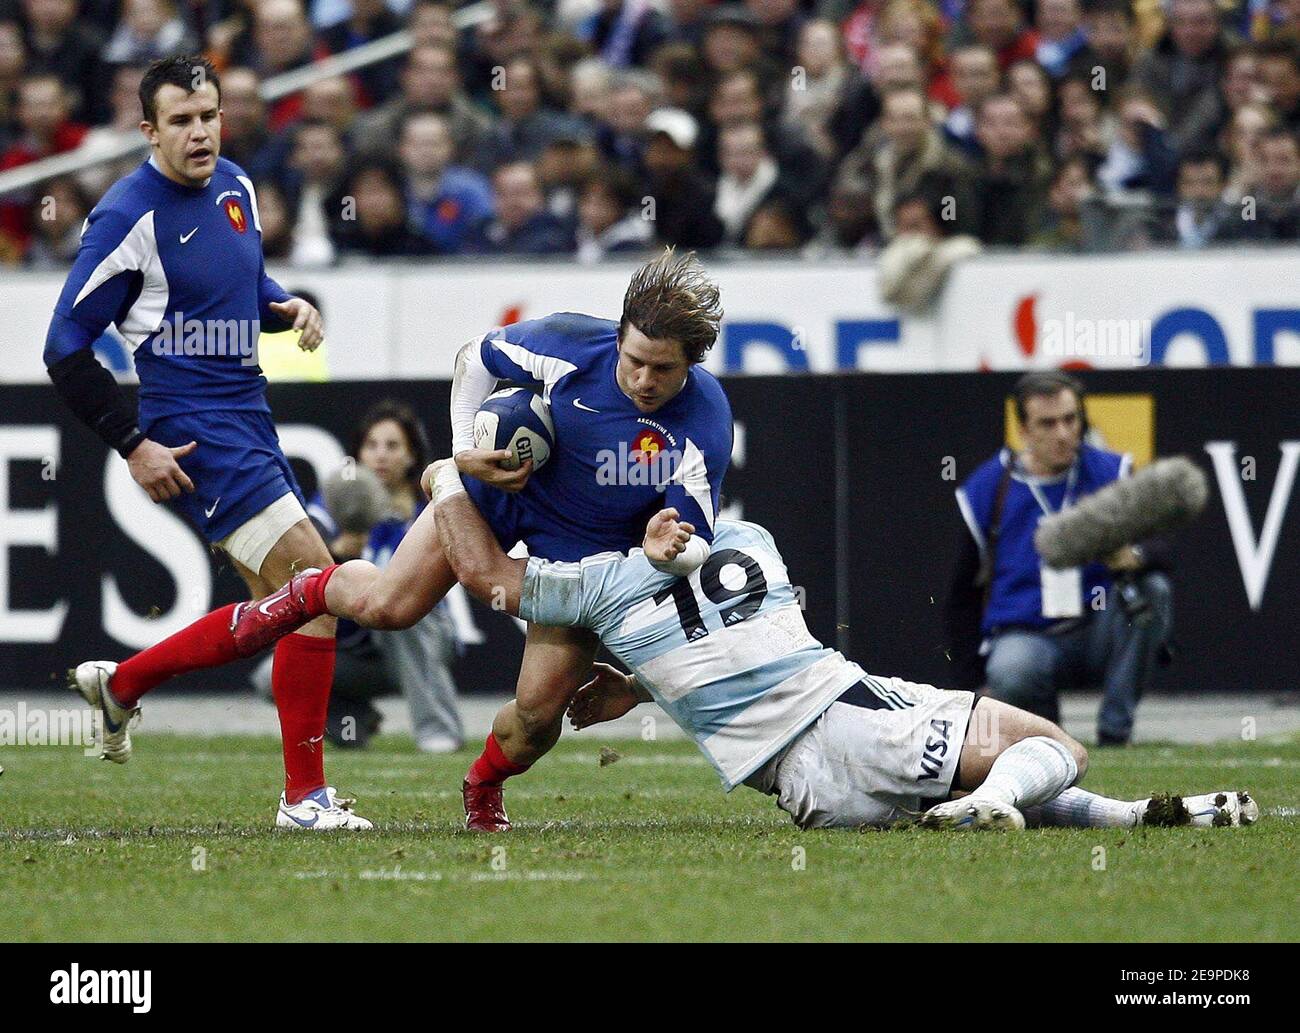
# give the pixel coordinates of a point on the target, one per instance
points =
(320, 811)
(973, 812)
(92, 679)
(1227, 809)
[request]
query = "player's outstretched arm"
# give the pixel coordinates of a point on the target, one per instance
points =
(666, 537)
(487, 573)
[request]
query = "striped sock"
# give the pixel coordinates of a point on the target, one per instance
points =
(1080, 809)
(1030, 772)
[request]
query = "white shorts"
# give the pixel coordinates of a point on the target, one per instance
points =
(252, 541)
(888, 755)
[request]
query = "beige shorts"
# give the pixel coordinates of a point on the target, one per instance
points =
(252, 541)
(871, 765)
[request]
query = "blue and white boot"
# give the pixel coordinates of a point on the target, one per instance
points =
(320, 811)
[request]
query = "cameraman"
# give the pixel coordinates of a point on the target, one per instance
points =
(1037, 629)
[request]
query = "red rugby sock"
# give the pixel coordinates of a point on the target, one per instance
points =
(301, 676)
(205, 643)
(493, 767)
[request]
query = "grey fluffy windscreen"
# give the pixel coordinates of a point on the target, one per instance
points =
(355, 498)
(1166, 495)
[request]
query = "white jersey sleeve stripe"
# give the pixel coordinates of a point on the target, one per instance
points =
(137, 251)
(693, 475)
(252, 202)
(546, 368)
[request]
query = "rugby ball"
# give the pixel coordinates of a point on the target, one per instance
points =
(519, 420)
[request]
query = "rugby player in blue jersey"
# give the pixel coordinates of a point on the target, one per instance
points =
(725, 652)
(172, 254)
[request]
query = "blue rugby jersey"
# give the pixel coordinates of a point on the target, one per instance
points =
(725, 651)
(613, 466)
(1016, 594)
(179, 270)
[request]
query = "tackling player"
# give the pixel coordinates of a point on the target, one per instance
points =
(726, 653)
(172, 255)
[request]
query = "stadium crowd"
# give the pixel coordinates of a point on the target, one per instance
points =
(586, 127)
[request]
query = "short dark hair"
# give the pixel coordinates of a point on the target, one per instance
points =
(672, 298)
(188, 71)
(1044, 383)
(1204, 156)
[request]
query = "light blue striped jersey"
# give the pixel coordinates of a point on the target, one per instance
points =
(725, 652)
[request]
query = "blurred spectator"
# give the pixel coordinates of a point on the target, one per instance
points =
(974, 75)
(682, 196)
(56, 219)
(13, 58)
(1029, 84)
(1181, 73)
(1060, 35)
(332, 101)
(1063, 219)
(779, 25)
(1109, 29)
(749, 177)
(1279, 78)
(429, 81)
(911, 149)
(818, 83)
(1242, 140)
(44, 128)
(624, 32)
(446, 202)
(431, 25)
(915, 263)
(273, 212)
(610, 217)
(731, 43)
(1083, 128)
(279, 40)
(1240, 83)
(589, 86)
(522, 225)
(1000, 26)
(1201, 217)
(683, 80)
(1277, 195)
(849, 227)
(621, 133)
(245, 138)
(687, 20)
(1007, 190)
(125, 101)
(777, 225)
(1139, 156)
(312, 185)
(149, 29)
(525, 126)
(379, 228)
(60, 45)
(562, 168)
(367, 21)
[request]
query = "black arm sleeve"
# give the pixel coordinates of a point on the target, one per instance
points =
(962, 617)
(90, 391)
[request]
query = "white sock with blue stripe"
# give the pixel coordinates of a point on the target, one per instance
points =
(1029, 772)
(1080, 809)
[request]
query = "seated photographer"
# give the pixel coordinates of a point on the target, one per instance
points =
(1037, 629)
(364, 511)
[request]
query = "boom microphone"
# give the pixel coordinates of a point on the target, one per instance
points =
(355, 498)
(1168, 494)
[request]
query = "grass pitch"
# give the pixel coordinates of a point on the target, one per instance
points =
(177, 845)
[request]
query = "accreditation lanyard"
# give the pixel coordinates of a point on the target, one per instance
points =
(1062, 589)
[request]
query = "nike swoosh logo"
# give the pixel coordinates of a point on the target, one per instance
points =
(271, 600)
(586, 408)
(186, 238)
(103, 709)
(298, 821)
(208, 512)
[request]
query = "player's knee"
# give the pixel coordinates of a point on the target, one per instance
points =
(384, 611)
(540, 725)
(1080, 754)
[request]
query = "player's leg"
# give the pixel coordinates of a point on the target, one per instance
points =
(415, 579)
(556, 662)
(301, 676)
(1010, 759)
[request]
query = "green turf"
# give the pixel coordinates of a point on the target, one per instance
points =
(646, 848)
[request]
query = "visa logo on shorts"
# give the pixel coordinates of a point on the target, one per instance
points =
(936, 748)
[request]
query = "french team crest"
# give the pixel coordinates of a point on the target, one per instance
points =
(648, 446)
(236, 215)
